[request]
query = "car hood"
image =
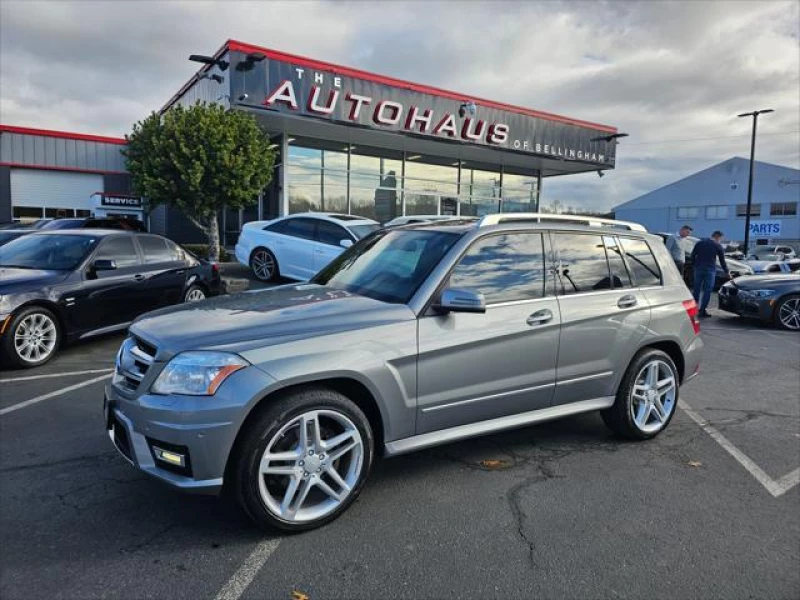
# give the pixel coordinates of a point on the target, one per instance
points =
(260, 318)
(755, 282)
(13, 281)
(736, 265)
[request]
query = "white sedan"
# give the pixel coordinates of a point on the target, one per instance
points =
(299, 245)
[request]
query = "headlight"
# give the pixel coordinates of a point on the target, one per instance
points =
(197, 373)
(762, 293)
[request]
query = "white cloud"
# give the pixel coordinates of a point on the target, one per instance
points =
(660, 71)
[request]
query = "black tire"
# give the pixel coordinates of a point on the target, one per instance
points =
(792, 300)
(12, 355)
(262, 431)
(264, 274)
(620, 418)
(192, 294)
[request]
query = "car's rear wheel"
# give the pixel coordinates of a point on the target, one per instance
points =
(264, 264)
(647, 398)
(194, 294)
(787, 313)
(32, 338)
(303, 461)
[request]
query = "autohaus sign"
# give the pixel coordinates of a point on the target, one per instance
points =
(301, 87)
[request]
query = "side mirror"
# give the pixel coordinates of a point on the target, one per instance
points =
(104, 265)
(346, 243)
(453, 300)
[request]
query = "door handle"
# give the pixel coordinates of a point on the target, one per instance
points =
(627, 301)
(138, 277)
(181, 272)
(539, 317)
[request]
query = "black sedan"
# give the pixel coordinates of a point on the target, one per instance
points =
(61, 286)
(770, 298)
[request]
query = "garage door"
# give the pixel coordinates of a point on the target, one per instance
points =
(54, 193)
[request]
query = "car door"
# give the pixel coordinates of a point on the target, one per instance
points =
(164, 270)
(602, 315)
(328, 243)
(472, 366)
(109, 297)
(294, 248)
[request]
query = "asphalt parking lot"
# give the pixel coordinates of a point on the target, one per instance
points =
(563, 510)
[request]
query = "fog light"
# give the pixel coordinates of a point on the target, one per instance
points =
(172, 458)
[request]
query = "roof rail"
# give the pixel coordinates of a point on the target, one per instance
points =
(497, 219)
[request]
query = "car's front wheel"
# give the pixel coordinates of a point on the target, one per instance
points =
(647, 397)
(32, 338)
(303, 461)
(264, 264)
(787, 313)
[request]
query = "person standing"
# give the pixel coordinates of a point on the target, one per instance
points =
(677, 249)
(704, 258)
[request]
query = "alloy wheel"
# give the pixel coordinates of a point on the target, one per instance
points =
(195, 295)
(789, 314)
(263, 264)
(310, 466)
(35, 338)
(654, 396)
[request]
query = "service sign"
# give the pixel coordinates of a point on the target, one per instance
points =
(765, 228)
(378, 103)
(121, 201)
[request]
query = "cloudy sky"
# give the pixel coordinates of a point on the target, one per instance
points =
(671, 74)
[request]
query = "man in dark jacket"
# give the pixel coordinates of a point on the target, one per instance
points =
(704, 258)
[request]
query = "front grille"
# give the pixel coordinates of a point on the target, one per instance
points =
(136, 356)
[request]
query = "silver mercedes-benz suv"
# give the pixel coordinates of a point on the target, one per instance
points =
(415, 336)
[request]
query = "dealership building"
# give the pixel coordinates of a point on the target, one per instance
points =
(347, 140)
(716, 199)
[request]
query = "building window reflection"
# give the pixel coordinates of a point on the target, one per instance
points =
(381, 184)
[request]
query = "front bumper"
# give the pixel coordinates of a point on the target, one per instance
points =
(201, 429)
(741, 302)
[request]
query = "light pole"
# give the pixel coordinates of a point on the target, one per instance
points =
(753, 114)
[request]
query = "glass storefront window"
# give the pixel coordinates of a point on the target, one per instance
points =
(520, 193)
(378, 184)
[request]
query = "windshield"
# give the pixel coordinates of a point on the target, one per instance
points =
(389, 266)
(362, 231)
(57, 252)
(63, 224)
(7, 236)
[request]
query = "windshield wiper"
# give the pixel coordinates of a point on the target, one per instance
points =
(17, 267)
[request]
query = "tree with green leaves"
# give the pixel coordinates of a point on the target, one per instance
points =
(200, 159)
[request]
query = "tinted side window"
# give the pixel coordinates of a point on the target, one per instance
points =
(331, 233)
(641, 262)
(279, 227)
(155, 250)
(119, 249)
(503, 267)
(619, 274)
(175, 251)
(582, 264)
(300, 228)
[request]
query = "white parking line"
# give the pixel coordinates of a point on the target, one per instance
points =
(776, 488)
(246, 573)
(38, 399)
(52, 375)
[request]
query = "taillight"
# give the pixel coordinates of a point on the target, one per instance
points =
(691, 312)
(214, 268)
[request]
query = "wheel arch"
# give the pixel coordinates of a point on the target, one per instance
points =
(53, 307)
(672, 349)
(780, 300)
(350, 387)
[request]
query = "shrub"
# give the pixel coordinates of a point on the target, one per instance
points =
(201, 251)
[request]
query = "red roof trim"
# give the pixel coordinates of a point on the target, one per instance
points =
(55, 168)
(234, 45)
(62, 134)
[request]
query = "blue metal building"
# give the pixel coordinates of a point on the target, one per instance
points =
(716, 198)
